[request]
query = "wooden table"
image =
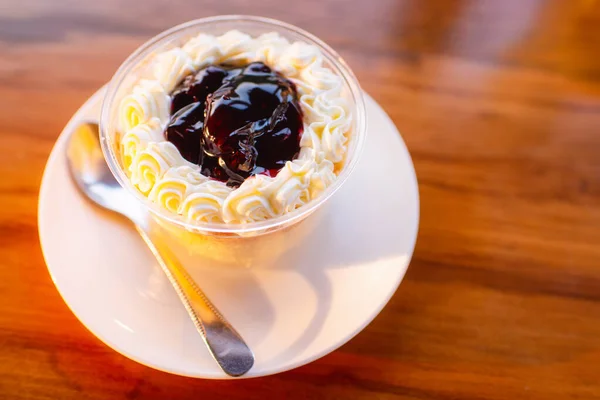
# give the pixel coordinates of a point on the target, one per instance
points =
(499, 104)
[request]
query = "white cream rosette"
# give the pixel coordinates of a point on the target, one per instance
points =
(147, 100)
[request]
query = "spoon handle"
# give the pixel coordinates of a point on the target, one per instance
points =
(226, 345)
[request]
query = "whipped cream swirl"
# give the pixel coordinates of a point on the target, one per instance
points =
(158, 170)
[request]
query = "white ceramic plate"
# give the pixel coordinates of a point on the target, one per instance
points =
(289, 316)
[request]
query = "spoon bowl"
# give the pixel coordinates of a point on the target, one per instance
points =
(89, 171)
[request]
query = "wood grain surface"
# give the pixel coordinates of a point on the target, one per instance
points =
(499, 104)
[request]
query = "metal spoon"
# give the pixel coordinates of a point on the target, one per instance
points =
(92, 176)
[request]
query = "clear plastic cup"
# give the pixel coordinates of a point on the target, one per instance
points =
(232, 243)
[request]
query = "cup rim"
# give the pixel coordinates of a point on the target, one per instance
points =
(337, 63)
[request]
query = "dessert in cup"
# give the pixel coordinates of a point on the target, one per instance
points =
(230, 131)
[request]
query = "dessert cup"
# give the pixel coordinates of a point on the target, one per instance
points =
(240, 244)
